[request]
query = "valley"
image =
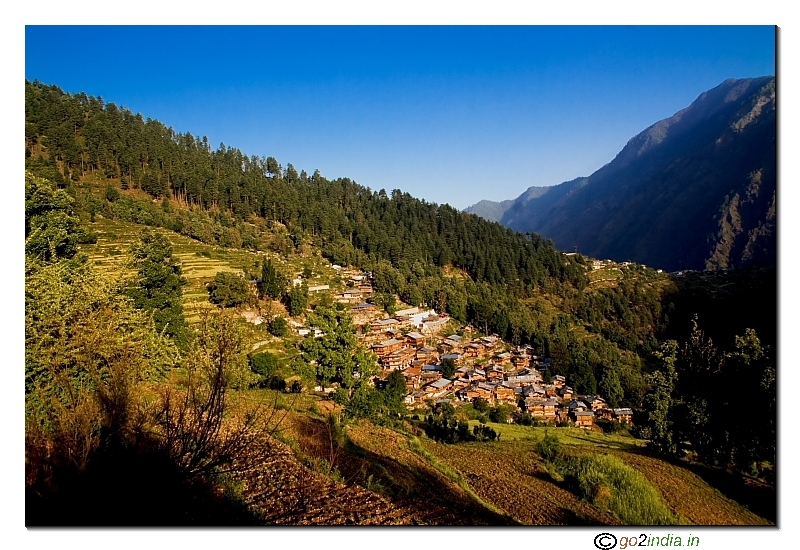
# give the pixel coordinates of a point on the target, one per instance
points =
(247, 344)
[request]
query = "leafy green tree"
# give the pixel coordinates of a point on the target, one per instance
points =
(395, 391)
(52, 230)
(501, 412)
(278, 327)
(365, 402)
(448, 368)
(158, 285)
(296, 300)
(655, 419)
(610, 386)
(228, 290)
(337, 354)
(264, 364)
(112, 194)
(273, 283)
(480, 404)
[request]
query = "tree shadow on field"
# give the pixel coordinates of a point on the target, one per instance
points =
(421, 487)
(126, 488)
(418, 488)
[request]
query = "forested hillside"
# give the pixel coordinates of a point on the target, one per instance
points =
(605, 330)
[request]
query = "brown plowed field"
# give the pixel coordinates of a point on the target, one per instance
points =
(285, 492)
(508, 476)
(408, 490)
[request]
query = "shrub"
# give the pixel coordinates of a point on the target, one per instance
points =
(481, 405)
(549, 447)
(610, 426)
(484, 433)
(500, 413)
(264, 363)
(610, 484)
(227, 290)
(278, 327)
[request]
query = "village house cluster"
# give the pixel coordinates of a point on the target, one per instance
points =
(485, 367)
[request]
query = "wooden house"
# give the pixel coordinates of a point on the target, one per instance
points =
(363, 308)
(583, 419)
(476, 390)
(594, 402)
(383, 325)
(477, 375)
(454, 356)
(413, 376)
(495, 373)
(623, 415)
(504, 393)
(542, 409)
(438, 388)
(386, 347)
(532, 390)
(398, 359)
(474, 350)
(520, 360)
(428, 353)
(416, 339)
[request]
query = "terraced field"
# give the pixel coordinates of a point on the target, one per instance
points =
(688, 495)
(509, 476)
(199, 262)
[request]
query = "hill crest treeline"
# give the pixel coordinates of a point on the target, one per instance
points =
(84, 135)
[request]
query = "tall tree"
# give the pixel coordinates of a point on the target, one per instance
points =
(337, 354)
(273, 283)
(158, 285)
(52, 230)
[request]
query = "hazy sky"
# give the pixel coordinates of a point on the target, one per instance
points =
(449, 114)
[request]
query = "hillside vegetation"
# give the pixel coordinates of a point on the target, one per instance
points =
(145, 242)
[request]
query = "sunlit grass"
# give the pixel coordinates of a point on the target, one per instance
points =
(567, 436)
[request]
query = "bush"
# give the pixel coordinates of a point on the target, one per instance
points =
(264, 363)
(485, 433)
(500, 413)
(610, 484)
(228, 290)
(480, 404)
(610, 426)
(278, 327)
(549, 447)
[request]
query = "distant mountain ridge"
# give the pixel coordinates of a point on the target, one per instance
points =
(490, 210)
(693, 191)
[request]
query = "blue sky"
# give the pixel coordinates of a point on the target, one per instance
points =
(449, 114)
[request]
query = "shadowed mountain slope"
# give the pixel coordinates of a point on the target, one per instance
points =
(696, 190)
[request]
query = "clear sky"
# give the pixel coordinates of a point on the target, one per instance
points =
(449, 114)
